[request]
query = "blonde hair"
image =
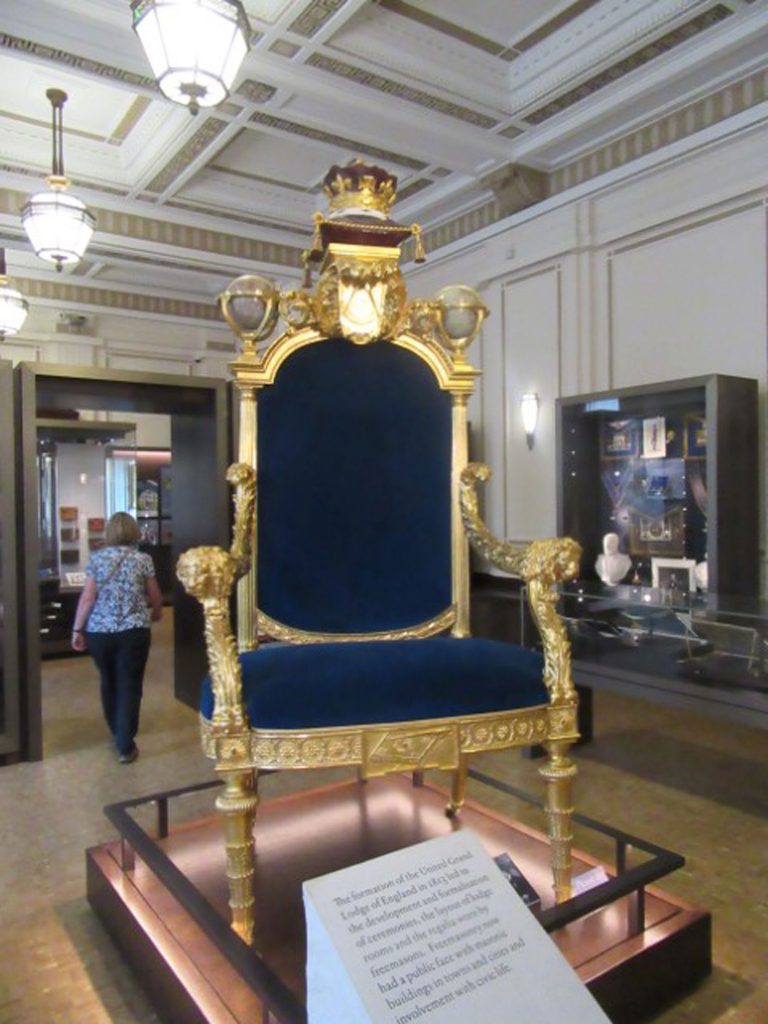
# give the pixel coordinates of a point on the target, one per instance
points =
(122, 529)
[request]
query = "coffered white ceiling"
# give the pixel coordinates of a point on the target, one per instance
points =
(479, 108)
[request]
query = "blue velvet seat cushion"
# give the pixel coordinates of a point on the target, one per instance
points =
(367, 682)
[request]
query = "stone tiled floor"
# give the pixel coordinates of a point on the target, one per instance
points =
(695, 785)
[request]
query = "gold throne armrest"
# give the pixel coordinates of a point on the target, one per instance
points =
(541, 564)
(210, 573)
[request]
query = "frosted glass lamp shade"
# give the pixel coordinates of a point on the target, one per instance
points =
(13, 310)
(250, 307)
(460, 315)
(58, 225)
(195, 47)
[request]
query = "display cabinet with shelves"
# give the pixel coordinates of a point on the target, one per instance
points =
(672, 469)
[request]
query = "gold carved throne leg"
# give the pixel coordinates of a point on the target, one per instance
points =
(238, 805)
(559, 772)
(458, 787)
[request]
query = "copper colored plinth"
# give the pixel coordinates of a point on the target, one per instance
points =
(316, 832)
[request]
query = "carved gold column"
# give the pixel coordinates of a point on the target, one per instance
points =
(209, 574)
(247, 625)
(237, 804)
(458, 786)
(459, 543)
(250, 306)
(559, 772)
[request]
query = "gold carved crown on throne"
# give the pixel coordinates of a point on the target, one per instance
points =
(360, 293)
(360, 186)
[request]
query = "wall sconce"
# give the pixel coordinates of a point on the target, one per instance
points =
(529, 410)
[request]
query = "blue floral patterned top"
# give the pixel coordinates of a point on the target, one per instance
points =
(121, 598)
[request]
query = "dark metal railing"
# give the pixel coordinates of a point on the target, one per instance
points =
(280, 1003)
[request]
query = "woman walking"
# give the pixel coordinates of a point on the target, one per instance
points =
(118, 601)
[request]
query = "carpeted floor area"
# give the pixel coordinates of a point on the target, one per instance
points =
(695, 785)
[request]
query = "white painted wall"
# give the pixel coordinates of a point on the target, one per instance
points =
(708, 310)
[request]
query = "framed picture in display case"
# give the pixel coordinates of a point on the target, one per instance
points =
(695, 437)
(149, 531)
(657, 534)
(674, 575)
(620, 439)
(654, 437)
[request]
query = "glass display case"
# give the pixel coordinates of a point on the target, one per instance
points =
(671, 470)
(704, 651)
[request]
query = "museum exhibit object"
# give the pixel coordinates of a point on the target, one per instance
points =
(353, 477)
(674, 469)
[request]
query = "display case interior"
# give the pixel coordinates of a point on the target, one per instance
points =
(671, 470)
(668, 605)
(79, 487)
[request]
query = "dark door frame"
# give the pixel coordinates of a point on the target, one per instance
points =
(10, 729)
(198, 407)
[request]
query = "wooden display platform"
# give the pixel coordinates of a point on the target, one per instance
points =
(310, 834)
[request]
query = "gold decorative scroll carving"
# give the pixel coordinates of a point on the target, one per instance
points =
(279, 631)
(541, 564)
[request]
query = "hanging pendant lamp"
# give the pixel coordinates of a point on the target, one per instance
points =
(58, 225)
(13, 305)
(195, 47)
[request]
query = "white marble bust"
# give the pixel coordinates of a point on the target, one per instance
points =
(612, 566)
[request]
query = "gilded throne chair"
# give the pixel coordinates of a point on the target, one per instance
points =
(354, 554)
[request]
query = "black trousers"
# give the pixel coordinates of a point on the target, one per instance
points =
(121, 659)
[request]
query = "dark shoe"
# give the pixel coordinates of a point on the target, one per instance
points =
(130, 757)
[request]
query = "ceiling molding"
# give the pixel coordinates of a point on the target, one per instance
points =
(314, 16)
(647, 53)
(390, 87)
(74, 62)
(179, 163)
(108, 298)
(681, 124)
(281, 124)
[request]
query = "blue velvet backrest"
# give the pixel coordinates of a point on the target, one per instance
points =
(354, 490)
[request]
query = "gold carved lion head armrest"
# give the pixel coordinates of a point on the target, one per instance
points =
(541, 564)
(209, 574)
